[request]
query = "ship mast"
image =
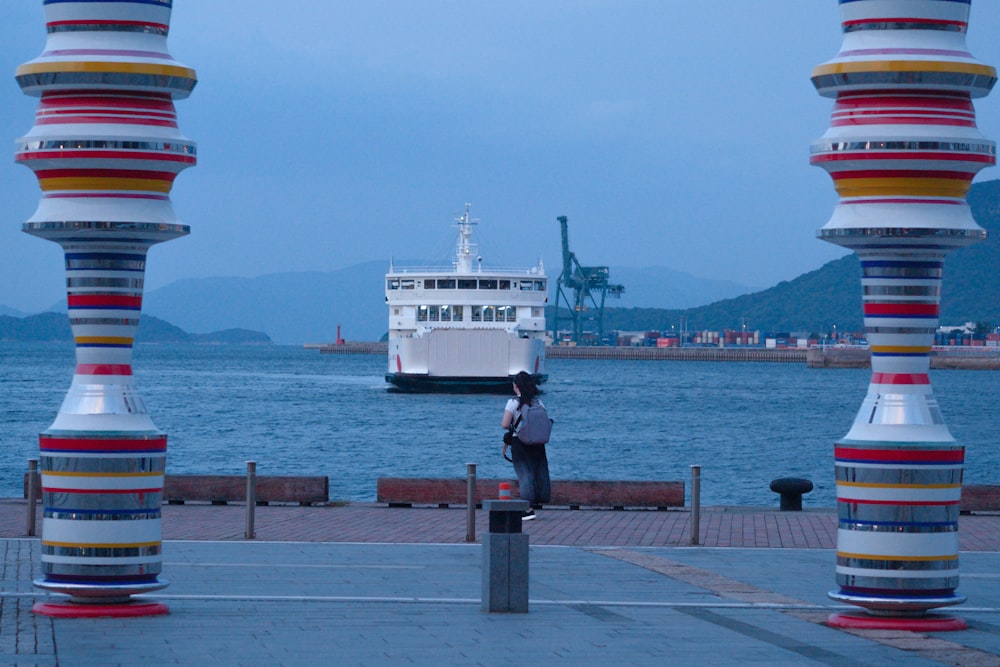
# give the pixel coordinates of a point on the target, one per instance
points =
(466, 249)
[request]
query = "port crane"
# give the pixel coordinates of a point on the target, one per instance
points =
(590, 288)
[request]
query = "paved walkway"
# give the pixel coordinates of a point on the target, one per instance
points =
(718, 526)
(370, 585)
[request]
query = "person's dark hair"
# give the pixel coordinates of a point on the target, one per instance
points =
(526, 385)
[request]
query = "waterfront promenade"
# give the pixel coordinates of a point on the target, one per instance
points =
(365, 584)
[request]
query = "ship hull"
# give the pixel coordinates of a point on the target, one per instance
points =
(410, 383)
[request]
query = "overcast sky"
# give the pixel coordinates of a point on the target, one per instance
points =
(671, 133)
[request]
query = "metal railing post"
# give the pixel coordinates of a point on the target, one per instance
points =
(470, 502)
(251, 498)
(32, 495)
(695, 504)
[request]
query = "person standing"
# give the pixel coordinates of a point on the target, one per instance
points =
(530, 461)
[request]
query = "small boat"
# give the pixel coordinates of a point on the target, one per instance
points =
(465, 328)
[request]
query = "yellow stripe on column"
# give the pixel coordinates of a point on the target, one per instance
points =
(904, 66)
(100, 183)
(106, 340)
(913, 187)
(92, 66)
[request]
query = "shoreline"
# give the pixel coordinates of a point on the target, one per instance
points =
(814, 357)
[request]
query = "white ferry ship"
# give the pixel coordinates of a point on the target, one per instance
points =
(466, 328)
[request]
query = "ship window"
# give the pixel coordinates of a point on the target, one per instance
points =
(506, 313)
(456, 313)
(395, 311)
(467, 283)
(477, 313)
(406, 284)
(448, 283)
(526, 285)
(488, 312)
(504, 284)
(487, 283)
(421, 313)
(539, 285)
(434, 313)
(537, 312)
(428, 284)
(392, 283)
(446, 313)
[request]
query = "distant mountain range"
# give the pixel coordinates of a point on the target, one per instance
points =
(831, 295)
(307, 307)
(54, 327)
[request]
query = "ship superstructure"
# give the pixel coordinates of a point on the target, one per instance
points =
(465, 328)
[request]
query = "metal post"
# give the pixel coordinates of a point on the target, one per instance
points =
(470, 503)
(32, 494)
(695, 504)
(251, 498)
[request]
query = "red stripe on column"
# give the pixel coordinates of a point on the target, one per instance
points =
(907, 503)
(50, 443)
(103, 369)
(901, 309)
(102, 300)
(900, 378)
(900, 455)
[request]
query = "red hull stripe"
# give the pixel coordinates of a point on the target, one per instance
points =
(102, 300)
(902, 309)
(900, 378)
(49, 443)
(899, 455)
(103, 369)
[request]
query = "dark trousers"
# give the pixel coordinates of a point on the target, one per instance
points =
(532, 468)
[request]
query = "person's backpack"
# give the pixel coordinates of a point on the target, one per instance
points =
(534, 425)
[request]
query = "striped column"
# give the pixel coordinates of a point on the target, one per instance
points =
(902, 149)
(106, 148)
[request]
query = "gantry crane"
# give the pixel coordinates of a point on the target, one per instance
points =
(587, 282)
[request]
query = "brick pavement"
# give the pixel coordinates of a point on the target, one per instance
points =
(372, 523)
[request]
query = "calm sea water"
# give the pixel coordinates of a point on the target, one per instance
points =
(295, 411)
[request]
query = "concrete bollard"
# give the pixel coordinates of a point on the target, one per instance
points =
(505, 558)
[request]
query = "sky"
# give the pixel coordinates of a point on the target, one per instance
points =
(671, 133)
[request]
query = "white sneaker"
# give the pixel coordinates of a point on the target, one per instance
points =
(528, 516)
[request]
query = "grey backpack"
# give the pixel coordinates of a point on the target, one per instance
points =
(534, 426)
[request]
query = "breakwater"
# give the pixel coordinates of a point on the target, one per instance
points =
(960, 358)
(783, 355)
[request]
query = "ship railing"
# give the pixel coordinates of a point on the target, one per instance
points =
(485, 270)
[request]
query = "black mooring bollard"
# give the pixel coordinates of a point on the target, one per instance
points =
(791, 490)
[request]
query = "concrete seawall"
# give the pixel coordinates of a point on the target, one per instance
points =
(830, 357)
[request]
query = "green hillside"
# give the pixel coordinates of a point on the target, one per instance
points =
(831, 295)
